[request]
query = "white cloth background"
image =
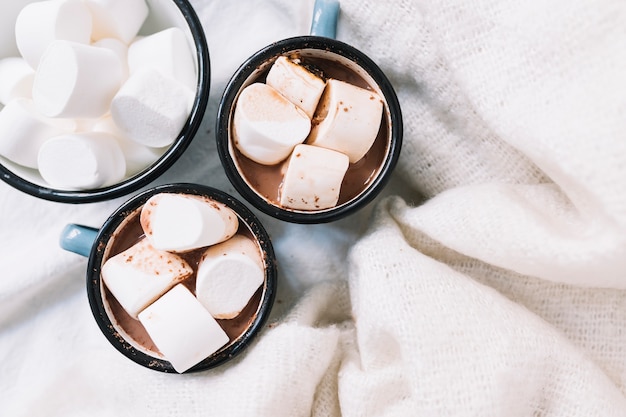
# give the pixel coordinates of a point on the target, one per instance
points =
(488, 280)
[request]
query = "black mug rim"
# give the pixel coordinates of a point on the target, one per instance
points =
(152, 172)
(93, 278)
(283, 47)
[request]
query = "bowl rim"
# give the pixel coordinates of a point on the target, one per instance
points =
(96, 256)
(283, 47)
(175, 151)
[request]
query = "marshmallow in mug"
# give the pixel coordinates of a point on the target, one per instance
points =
(182, 329)
(312, 178)
(40, 23)
(75, 65)
(23, 130)
(267, 126)
(131, 277)
(151, 108)
(296, 83)
(223, 296)
(166, 51)
(342, 118)
(75, 80)
(81, 161)
(16, 79)
(155, 286)
(119, 19)
(178, 224)
(137, 156)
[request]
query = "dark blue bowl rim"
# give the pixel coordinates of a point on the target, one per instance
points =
(283, 47)
(164, 162)
(94, 292)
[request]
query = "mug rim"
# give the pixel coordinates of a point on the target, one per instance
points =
(283, 47)
(157, 168)
(94, 287)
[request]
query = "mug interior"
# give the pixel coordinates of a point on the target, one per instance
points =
(128, 335)
(163, 14)
(364, 179)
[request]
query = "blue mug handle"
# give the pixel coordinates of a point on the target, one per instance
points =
(325, 15)
(78, 238)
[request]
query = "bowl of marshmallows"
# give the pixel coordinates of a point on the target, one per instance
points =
(98, 97)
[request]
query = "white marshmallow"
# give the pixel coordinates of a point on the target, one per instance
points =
(350, 119)
(119, 19)
(266, 125)
(151, 108)
(296, 83)
(182, 329)
(23, 130)
(16, 79)
(119, 48)
(167, 51)
(228, 276)
(39, 24)
(81, 161)
(10, 11)
(179, 223)
(313, 178)
(141, 274)
(138, 157)
(75, 80)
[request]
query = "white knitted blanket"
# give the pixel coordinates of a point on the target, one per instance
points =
(488, 280)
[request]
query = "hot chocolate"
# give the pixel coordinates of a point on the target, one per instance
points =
(267, 179)
(128, 235)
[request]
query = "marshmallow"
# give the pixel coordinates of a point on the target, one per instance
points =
(39, 24)
(119, 48)
(266, 125)
(179, 223)
(228, 276)
(296, 83)
(16, 79)
(119, 19)
(141, 274)
(138, 157)
(167, 51)
(313, 178)
(10, 11)
(75, 80)
(182, 330)
(23, 130)
(349, 119)
(81, 161)
(151, 108)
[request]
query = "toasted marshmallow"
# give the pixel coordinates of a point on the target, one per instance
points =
(182, 329)
(167, 51)
(40, 23)
(313, 177)
(151, 108)
(23, 130)
(119, 19)
(16, 79)
(296, 83)
(347, 120)
(228, 276)
(81, 161)
(141, 274)
(138, 157)
(179, 223)
(76, 80)
(266, 125)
